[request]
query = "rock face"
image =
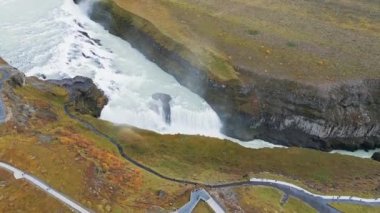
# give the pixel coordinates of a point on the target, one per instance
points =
(77, 1)
(341, 116)
(84, 95)
(376, 156)
(325, 117)
(17, 79)
(165, 101)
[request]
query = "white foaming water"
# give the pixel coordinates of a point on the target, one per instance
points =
(55, 39)
(358, 153)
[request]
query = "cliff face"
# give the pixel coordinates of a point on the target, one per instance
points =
(342, 115)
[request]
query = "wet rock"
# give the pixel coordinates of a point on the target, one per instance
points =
(77, 1)
(165, 101)
(376, 157)
(85, 96)
(85, 34)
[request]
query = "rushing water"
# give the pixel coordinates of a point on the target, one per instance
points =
(55, 39)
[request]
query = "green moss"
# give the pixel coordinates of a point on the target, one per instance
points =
(266, 199)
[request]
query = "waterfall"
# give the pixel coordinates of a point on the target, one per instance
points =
(57, 40)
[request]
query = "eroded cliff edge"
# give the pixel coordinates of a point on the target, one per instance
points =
(339, 115)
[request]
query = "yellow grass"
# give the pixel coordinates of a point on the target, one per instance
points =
(300, 40)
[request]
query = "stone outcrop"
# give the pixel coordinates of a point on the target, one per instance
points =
(17, 79)
(16, 109)
(165, 102)
(85, 96)
(340, 116)
(376, 156)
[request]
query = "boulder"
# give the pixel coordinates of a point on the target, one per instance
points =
(165, 101)
(17, 79)
(376, 156)
(77, 1)
(161, 194)
(85, 96)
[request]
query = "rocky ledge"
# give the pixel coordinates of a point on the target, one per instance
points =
(85, 96)
(343, 115)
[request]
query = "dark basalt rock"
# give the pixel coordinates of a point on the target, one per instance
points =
(77, 1)
(165, 101)
(376, 157)
(85, 96)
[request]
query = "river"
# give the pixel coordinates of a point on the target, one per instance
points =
(55, 39)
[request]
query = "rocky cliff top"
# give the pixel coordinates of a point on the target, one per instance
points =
(86, 97)
(309, 41)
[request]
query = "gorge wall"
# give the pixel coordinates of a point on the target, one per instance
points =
(343, 115)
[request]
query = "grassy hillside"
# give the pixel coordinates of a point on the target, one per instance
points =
(58, 150)
(265, 199)
(212, 160)
(310, 41)
(84, 166)
(20, 196)
(45, 142)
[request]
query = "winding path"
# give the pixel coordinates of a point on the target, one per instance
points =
(319, 202)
